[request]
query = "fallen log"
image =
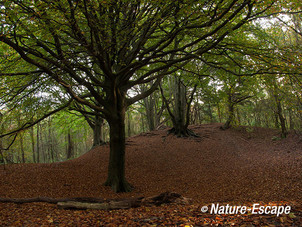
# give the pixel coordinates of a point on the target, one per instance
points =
(111, 205)
(50, 200)
(165, 198)
(97, 203)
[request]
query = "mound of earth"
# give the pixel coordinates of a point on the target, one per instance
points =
(241, 164)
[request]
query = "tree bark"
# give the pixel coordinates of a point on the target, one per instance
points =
(1, 145)
(233, 100)
(219, 112)
(116, 168)
(69, 152)
(33, 143)
(181, 113)
(281, 117)
(22, 148)
(231, 116)
(98, 203)
(149, 106)
(291, 120)
(50, 142)
(129, 124)
(98, 131)
(231, 113)
(1, 154)
(38, 143)
(279, 110)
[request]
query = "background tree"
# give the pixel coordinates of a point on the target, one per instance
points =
(179, 105)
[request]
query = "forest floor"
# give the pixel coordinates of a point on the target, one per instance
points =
(239, 166)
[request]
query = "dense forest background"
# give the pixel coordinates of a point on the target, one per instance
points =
(252, 78)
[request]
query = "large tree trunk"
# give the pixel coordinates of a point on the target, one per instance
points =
(179, 124)
(231, 116)
(233, 100)
(181, 113)
(116, 168)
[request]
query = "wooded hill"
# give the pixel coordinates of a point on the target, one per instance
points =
(77, 74)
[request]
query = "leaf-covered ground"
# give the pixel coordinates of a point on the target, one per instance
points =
(238, 166)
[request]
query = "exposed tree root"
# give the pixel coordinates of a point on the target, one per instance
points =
(224, 127)
(183, 132)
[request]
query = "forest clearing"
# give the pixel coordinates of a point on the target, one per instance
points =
(237, 166)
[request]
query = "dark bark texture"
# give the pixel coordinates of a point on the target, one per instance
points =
(116, 168)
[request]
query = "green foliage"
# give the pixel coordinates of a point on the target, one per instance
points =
(54, 51)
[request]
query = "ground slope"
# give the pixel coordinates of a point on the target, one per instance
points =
(240, 164)
(237, 166)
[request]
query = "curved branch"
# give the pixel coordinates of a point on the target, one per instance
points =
(29, 125)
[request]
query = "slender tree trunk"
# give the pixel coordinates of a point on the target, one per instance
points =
(276, 120)
(43, 144)
(116, 168)
(210, 112)
(219, 112)
(279, 110)
(1, 144)
(22, 148)
(129, 123)
(1, 151)
(38, 143)
(281, 118)
(143, 123)
(69, 152)
(50, 142)
(98, 131)
(149, 106)
(266, 120)
(291, 120)
(238, 116)
(33, 144)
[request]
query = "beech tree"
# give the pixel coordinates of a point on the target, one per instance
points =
(179, 111)
(95, 49)
(153, 109)
(94, 120)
